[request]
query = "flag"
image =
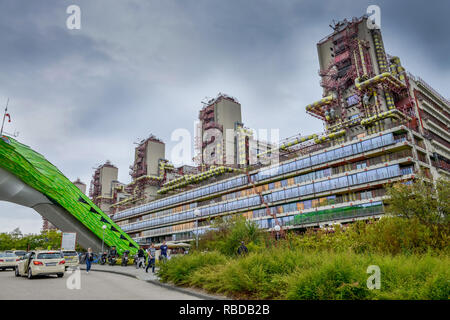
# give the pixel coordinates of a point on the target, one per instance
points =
(9, 117)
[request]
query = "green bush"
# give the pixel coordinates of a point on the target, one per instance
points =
(340, 278)
(227, 235)
(412, 256)
(302, 274)
(178, 269)
(389, 235)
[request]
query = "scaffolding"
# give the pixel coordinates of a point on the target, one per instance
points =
(350, 80)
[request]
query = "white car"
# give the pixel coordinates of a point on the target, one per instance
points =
(8, 260)
(71, 257)
(45, 262)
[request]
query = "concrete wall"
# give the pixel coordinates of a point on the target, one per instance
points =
(155, 151)
(227, 113)
(107, 176)
(80, 186)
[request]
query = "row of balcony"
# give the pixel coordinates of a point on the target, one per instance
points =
(364, 177)
(263, 174)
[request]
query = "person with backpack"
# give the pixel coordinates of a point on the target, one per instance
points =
(151, 258)
(89, 257)
(242, 250)
(163, 248)
(141, 257)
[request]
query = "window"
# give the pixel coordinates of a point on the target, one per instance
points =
(361, 177)
(318, 186)
(361, 165)
(347, 151)
(322, 157)
(393, 171)
(253, 201)
(387, 139)
(307, 204)
(356, 148)
(377, 142)
(277, 196)
(407, 170)
(366, 145)
(306, 162)
(292, 166)
(319, 174)
(49, 255)
(314, 160)
(294, 192)
(342, 182)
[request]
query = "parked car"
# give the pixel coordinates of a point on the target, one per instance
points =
(8, 260)
(42, 262)
(71, 257)
(20, 253)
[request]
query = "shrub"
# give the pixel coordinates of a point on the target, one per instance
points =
(412, 256)
(227, 234)
(178, 269)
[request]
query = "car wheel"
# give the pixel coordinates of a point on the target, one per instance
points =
(60, 275)
(30, 274)
(17, 272)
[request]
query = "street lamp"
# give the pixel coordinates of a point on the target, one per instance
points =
(196, 215)
(103, 238)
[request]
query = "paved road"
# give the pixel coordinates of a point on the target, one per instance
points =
(95, 285)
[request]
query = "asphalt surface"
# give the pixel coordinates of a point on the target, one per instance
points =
(94, 286)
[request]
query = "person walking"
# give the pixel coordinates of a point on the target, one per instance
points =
(242, 250)
(141, 258)
(89, 257)
(151, 258)
(163, 249)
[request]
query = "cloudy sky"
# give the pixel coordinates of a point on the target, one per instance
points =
(81, 97)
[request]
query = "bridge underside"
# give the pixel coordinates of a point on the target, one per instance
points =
(14, 190)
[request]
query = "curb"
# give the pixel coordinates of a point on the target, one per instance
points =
(158, 283)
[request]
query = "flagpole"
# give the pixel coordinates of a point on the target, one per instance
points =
(4, 117)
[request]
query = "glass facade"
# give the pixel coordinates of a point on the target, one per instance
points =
(263, 174)
(280, 195)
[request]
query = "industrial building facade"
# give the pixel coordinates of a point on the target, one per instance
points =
(383, 125)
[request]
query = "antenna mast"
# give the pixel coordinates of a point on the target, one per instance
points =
(4, 117)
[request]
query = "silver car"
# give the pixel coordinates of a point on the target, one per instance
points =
(8, 260)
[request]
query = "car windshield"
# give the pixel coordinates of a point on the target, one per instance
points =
(20, 253)
(69, 253)
(7, 255)
(49, 255)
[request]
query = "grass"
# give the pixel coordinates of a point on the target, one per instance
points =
(413, 258)
(299, 274)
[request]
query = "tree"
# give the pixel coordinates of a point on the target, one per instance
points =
(16, 240)
(6, 241)
(16, 233)
(427, 202)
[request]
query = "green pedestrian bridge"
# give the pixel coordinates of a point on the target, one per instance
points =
(28, 179)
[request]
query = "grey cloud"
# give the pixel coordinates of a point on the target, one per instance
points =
(140, 67)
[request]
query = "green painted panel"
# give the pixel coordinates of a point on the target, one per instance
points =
(331, 214)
